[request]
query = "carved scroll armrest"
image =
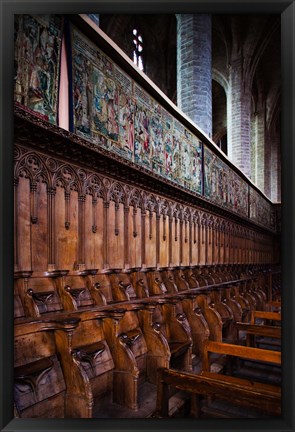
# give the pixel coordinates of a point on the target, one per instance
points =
(98, 293)
(75, 292)
(89, 353)
(130, 337)
(31, 373)
(157, 327)
(41, 296)
(230, 312)
(65, 323)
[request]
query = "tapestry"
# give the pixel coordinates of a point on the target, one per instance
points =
(143, 118)
(188, 154)
(223, 185)
(238, 193)
(261, 210)
(215, 178)
(102, 98)
(111, 110)
(37, 47)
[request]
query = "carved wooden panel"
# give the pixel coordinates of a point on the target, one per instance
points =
(72, 218)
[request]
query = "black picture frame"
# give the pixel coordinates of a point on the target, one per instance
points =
(7, 9)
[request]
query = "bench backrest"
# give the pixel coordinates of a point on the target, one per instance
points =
(248, 353)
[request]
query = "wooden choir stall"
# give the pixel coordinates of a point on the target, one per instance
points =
(141, 289)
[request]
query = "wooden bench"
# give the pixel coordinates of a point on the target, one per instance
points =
(235, 390)
(265, 316)
(248, 353)
(273, 306)
(253, 330)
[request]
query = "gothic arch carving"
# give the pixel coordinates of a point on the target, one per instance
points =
(152, 203)
(135, 198)
(164, 207)
(67, 178)
(117, 193)
(31, 166)
(94, 186)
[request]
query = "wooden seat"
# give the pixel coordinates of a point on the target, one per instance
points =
(198, 324)
(169, 281)
(199, 277)
(253, 330)
(140, 283)
(75, 288)
(248, 353)
(235, 390)
(38, 374)
(122, 288)
(39, 295)
(181, 280)
(191, 278)
(135, 325)
(211, 316)
(177, 349)
(265, 316)
(155, 282)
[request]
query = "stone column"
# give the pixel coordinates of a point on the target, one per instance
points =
(275, 167)
(260, 157)
(239, 119)
(194, 68)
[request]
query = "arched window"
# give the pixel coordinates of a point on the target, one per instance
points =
(137, 49)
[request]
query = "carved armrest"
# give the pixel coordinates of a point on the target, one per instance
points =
(157, 327)
(31, 373)
(124, 286)
(88, 353)
(198, 311)
(143, 287)
(177, 349)
(181, 317)
(130, 337)
(41, 296)
(161, 285)
(127, 289)
(75, 292)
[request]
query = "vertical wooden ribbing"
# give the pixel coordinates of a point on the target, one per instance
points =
(181, 241)
(16, 232)
(170, 240)
(94, 214)
(51, 191)
(206, 244)
(106, 206)
(150, 224)
(67, 205)
(126, 236)
(134, 222)
(164, 227)
(158, 216)
(116, 219)
(190, 239)
(143, 215)
(81, 232)
(34, 211)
